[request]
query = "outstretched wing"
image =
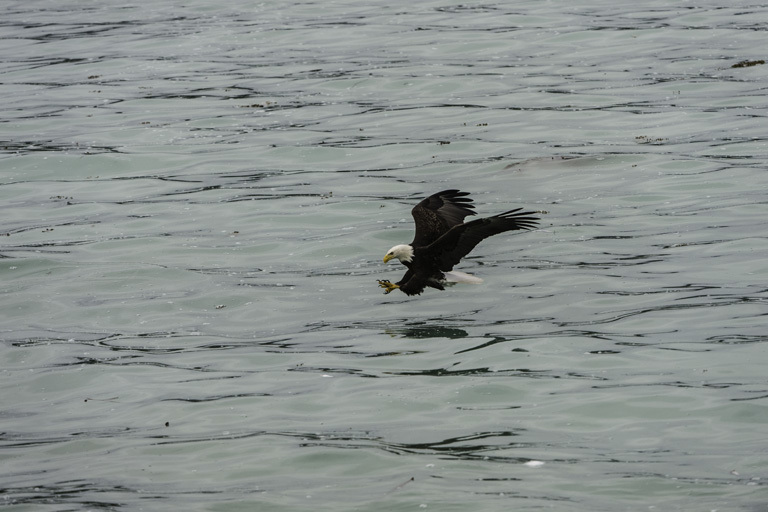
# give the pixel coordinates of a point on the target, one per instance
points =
(438, 213)
(448, 250)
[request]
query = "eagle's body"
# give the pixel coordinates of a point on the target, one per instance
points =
(442, 239)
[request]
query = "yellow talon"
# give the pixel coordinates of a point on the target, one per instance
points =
(388, 286)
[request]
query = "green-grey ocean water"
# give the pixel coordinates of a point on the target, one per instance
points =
(196, 197)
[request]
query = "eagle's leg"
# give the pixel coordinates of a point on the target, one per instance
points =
(388, 286)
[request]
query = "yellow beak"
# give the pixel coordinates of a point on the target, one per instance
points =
(388, 257)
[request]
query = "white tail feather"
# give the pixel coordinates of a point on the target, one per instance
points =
(455, 276)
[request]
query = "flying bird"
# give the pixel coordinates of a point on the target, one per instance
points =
(442, 239)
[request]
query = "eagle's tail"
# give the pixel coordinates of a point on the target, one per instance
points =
(454, 276)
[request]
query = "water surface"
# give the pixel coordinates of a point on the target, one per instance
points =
(196, 199)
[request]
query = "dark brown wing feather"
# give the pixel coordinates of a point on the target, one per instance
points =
(450, 248)
(438, 213)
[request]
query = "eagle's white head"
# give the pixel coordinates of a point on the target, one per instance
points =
(402, 252)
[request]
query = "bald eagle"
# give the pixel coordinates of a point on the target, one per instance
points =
(442, 239)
